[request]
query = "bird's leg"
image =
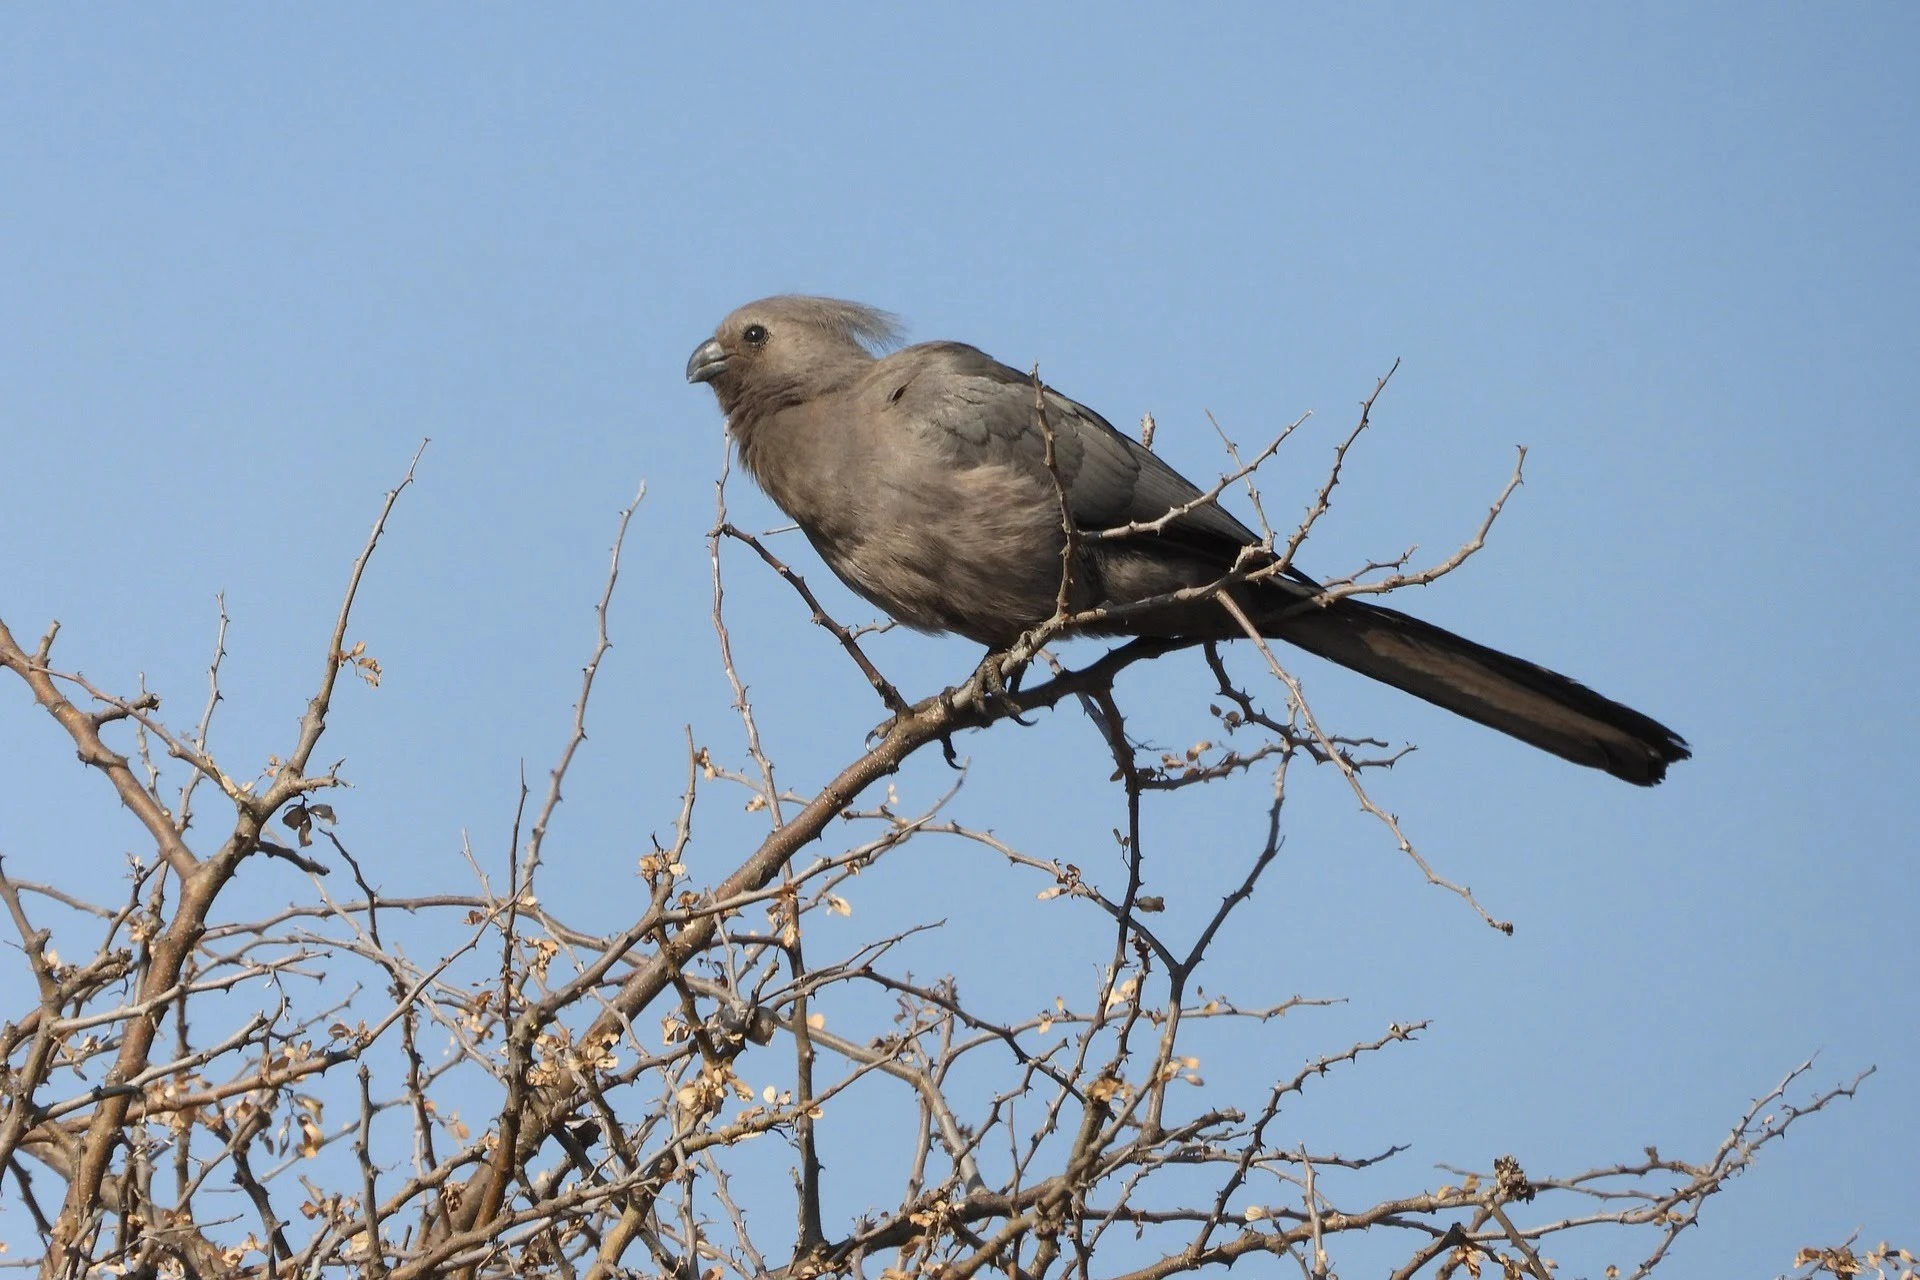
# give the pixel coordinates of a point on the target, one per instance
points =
(944, 698)
(881, 730)
(991, 692)
(994, 689)
(988, 688)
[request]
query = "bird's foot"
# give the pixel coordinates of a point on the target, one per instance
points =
(992, 697)
(906, 711)
(994, 691)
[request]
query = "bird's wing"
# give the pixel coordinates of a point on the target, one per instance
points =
(984, 411)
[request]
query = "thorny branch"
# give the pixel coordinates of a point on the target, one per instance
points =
(612, 1065)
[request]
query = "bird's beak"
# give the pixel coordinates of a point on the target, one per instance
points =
(708, 361)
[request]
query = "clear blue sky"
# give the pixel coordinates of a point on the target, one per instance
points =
(250, 256)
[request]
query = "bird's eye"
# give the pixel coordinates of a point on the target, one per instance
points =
(755, 335)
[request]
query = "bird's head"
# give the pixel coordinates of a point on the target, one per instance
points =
(786, 348)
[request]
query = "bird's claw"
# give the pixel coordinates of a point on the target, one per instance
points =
(995, 691)
(992, 693)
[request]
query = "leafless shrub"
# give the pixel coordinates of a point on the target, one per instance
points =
(612, 1067)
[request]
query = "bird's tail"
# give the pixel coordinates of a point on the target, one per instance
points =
(1503, 692)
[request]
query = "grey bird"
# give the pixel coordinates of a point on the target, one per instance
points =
(921, 478)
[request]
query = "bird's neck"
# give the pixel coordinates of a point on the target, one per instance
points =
(775, 448)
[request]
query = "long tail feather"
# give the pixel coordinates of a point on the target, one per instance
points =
(1503, 692)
